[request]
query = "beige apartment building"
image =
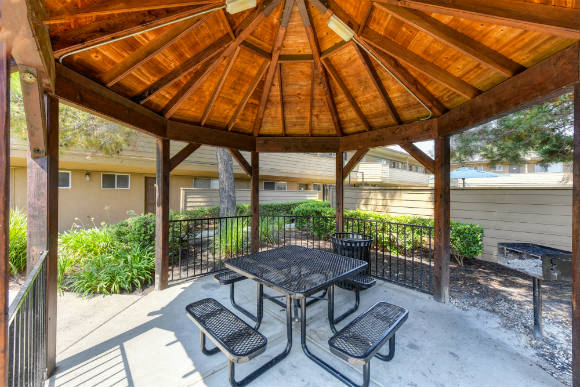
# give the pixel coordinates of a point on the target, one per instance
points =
(126, 183)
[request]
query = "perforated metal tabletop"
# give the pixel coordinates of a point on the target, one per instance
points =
(295, 270)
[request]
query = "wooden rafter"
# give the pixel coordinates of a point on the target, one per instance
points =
(420, 156)
(419, 64)
(372, 72)
(392, 135)
(538, 17)
(462, 43)
(351, 100)
(103, 8)
(70, 38)
(248, 25)
(183, 69)
(353, 162)
(182, 155)
(35, 111)
(148, 51)
(318, 65)
(281, 93)
(256, 50)
(311, 100)
(249, 92)
(277, 48)
(409, 81)
(219, 87)
(226, 23)
(243, 163)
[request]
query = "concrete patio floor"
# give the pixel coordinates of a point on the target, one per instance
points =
(146, 340)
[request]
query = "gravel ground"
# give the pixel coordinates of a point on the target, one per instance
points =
(508, 294)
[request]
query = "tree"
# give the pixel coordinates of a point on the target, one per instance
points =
(227, 187)
(77, 128)
(546, 130)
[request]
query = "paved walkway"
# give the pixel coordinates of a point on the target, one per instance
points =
(148, 341)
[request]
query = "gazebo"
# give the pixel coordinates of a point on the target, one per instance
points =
(277, 76)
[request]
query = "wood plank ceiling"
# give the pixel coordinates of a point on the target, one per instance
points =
(279, 70)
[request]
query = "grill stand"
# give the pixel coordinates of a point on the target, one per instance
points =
(537, 291)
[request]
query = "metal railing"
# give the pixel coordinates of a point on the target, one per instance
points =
(27, 330)
(401, 253)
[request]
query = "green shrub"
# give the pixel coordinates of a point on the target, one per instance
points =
(126, 268)
(136, 229)
(17, 245)
(466, 240)
(232, 237)
(323, 222)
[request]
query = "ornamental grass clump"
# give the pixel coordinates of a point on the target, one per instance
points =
(17, 245)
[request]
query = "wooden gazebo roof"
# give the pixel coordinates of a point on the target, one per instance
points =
(278, 71)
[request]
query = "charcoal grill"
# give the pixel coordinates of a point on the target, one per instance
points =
(540, 263)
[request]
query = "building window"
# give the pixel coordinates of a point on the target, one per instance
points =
(275, 186)
(64, 179)
(206, 182)
(302, 187)
(393, 164)
(556, 167)
(317, 187)
(478, 168)
(515, 168)
(497, 168)
(115, 181)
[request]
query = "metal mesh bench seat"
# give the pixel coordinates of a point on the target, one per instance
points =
(363, 281)
(362, 338)
(228, 277)
(233, 336)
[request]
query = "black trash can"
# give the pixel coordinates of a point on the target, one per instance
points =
(353, 245)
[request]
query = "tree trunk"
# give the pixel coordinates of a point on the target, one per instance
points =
(226, 178)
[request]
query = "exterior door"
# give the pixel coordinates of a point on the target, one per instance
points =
(149, 195)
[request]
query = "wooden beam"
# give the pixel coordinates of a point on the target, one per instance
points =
(219, 86)
(420, 156)
(420, 64)
(314, 47)
(237, 155)
(34, 109)
(246, 28)
(311, 99)
(298, 144)
(256, 50)
(298, 58)
(97, 99)
(408, 80)
(553, 76)
(255, 201)
(548, 19)
(248, 95)
(181, 131)
(372, 72)
(353, 162)
(148, 51)
(349, 97)
(339, 175)
(334, 49)
(162, 215)
(183, 69)
(106, 8)
(460, 42)
(182, 155)
(276, 49)
(442, 211)
(281, 93)
(4, 210)
(393, 135)
(100, 32)
(576, 244)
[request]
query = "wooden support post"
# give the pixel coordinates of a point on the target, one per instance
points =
(442, 250)
(162, 215)
(339, 191)
(4, 208)
(576, 245)
(52, 154)
(255, 199)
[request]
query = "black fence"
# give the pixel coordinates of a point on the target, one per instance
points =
(401, 253)
(27, 331)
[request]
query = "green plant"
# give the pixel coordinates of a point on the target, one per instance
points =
(233, 237)
(17, 246)
(136, 229)
(466, 240)
(126, 268)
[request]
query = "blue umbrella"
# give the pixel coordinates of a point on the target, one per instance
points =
(470, 173)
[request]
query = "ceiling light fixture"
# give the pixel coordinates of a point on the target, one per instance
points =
(340, 27)
(236, 6)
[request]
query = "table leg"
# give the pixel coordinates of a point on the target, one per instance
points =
(537, 290)
(309, 354)
(259, 306)
(331, 308)
(275, 360)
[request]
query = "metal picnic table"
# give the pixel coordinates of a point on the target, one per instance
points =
(298, 273)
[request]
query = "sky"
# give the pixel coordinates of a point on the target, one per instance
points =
(425, 146)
